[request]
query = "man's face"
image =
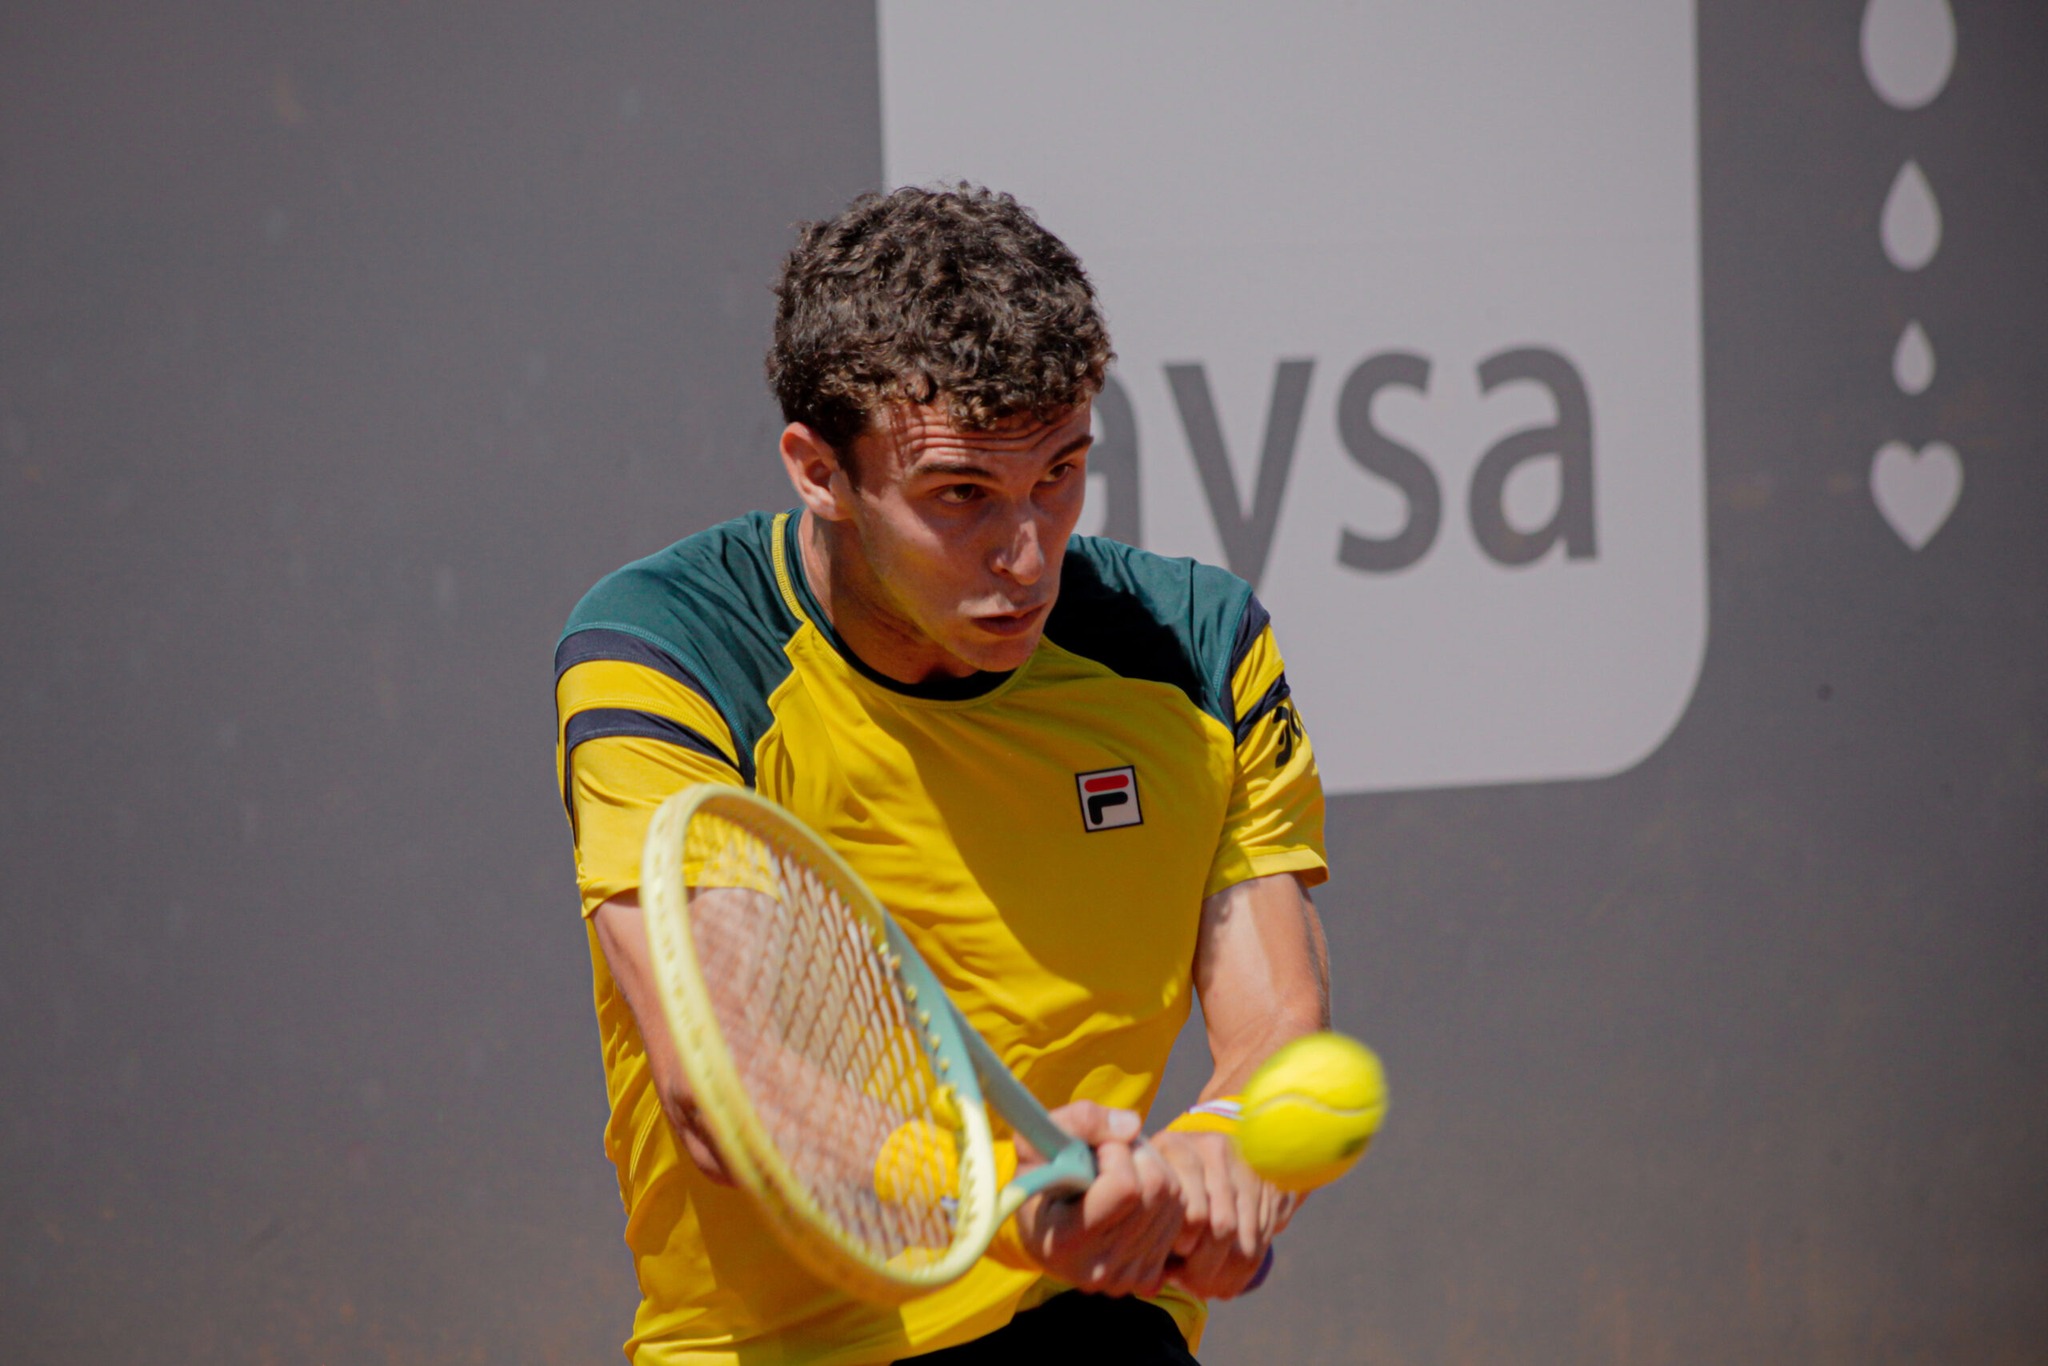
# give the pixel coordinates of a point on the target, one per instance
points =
(962, 533)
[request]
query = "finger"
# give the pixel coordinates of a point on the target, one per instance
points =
(1168, 1219)
(1154, 1257)
(1080, 1118)
(1252, 1198)
(1117, 1192)
(688, 1122)
(707, 1158)
(1095, 1124)
(1236, 1278)
(1125, 1259)
(1061, 1240)
(1158, 1183)
(1210, 1245)
(1074, 1226)
(1145, 1241)
(1203, 1272)
(1226, 1270)
(1227, 1175)
(1254, 1217)
(1286, 1205)
(1145, 1247)
(1196, 1189)
(1242, 1225)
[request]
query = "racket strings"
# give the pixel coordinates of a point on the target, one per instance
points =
(827, 1047)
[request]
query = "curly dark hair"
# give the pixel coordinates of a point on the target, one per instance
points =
(954, 294)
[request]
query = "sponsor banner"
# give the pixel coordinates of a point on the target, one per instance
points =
(1406, 302)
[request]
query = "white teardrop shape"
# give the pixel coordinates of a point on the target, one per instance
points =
(1911, 226)
(1909, 48)
(1913, 360)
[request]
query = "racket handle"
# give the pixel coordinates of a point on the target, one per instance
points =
(1068, 1170)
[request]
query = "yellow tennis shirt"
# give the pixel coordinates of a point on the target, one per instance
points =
(1045, 837)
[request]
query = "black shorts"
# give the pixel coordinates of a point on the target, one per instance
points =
(1073, 1329)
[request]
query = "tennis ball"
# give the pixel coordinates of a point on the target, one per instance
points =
(919, 1161)
(1310, 1110)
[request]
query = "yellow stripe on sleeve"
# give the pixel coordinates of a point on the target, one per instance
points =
(1256, 673)
(615, 784)
(620, 683)
(627, 736)
(1275, 820)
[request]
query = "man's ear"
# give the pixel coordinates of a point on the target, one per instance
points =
(815, 473)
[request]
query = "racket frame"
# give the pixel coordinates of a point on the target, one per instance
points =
(960, 1058)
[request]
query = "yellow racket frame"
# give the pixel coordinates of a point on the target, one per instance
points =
(959, 1058)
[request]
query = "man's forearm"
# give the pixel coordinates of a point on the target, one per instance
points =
(1262, 968)
(622, 935)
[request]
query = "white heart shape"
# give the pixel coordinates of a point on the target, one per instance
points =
(1916, 490)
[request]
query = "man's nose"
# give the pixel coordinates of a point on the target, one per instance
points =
(1022, 557)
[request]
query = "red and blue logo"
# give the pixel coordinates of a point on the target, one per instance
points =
(1109, 798)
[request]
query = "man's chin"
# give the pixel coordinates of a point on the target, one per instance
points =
(996, 655)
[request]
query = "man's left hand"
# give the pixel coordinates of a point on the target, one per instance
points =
(1229, 1215)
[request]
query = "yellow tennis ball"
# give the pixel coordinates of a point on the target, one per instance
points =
(919, 1161)
(1310, 1110)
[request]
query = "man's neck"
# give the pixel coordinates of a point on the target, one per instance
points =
(847, 593)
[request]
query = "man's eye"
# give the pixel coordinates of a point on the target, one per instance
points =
(1057, 473)
(958, 494)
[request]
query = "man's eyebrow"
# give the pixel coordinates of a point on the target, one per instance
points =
(961, 465)
(955, 465)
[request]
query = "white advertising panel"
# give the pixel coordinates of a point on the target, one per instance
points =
(1406, 306)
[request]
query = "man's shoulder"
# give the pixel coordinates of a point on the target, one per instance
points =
(1163, 618)
(717, 584)
(708, 612)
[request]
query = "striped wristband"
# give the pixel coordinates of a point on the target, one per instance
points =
(1218, 1116)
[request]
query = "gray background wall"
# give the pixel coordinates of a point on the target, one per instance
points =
(339, 350)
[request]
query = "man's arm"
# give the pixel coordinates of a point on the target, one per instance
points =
(1262, 968)
(1114, 1239)
(622, 934)
(1263, 971)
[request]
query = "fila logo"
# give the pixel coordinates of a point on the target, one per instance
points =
(1109, 798)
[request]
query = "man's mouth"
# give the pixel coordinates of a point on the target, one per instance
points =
(1011, 623)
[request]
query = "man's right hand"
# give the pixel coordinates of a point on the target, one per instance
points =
(688, 1125)
(1115, 1237)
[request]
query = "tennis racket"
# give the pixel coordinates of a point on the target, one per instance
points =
(845, 1091)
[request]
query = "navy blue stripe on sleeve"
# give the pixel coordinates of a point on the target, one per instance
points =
(603, 723)
(600, 643)
(1250, 623)
(1263, 708)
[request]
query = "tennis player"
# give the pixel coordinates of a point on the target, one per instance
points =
(1071, 769)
